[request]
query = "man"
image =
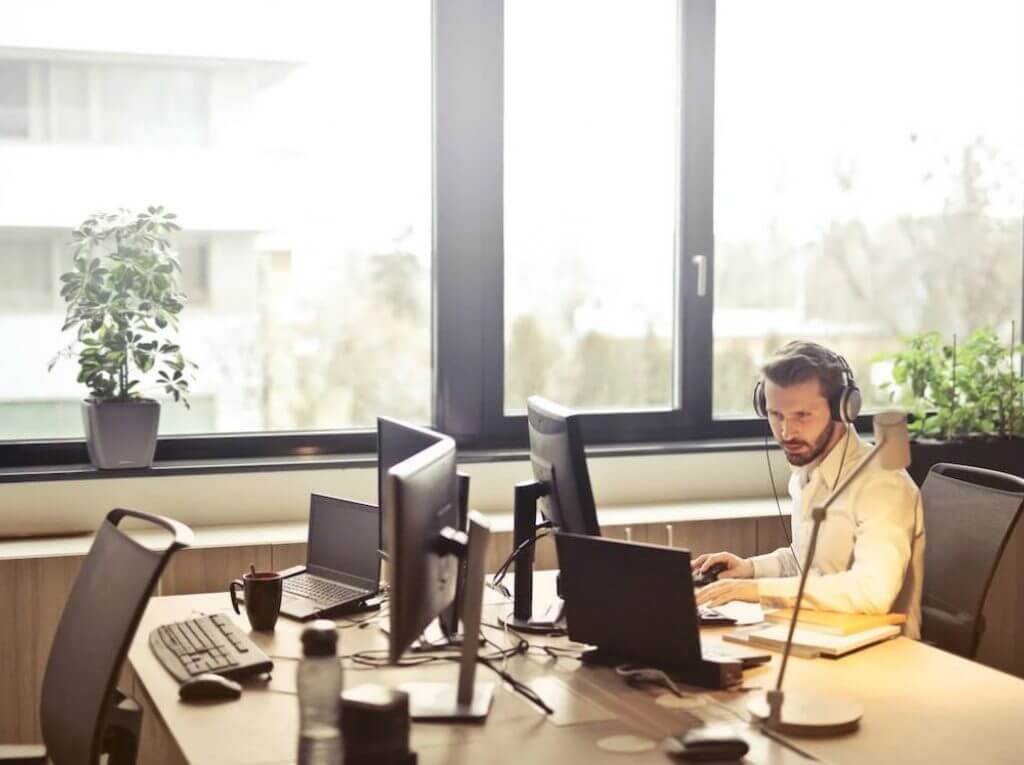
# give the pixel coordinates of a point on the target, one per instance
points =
(870, 550)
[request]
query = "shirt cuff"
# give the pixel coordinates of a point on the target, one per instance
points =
(766, 566)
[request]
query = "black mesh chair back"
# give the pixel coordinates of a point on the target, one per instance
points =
(95, 631)
(969, 515)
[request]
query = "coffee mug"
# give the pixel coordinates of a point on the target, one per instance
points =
(262, 597)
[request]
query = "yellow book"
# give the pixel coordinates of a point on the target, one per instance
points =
(832, 622)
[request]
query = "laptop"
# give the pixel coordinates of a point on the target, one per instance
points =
(636, 603)
(342, 568)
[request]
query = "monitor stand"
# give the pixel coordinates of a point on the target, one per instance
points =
(466, 700)
(552, 621)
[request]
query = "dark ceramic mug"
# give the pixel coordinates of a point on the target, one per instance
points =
(262, 597)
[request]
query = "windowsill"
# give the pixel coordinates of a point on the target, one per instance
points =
(86, 471)
(253, 534)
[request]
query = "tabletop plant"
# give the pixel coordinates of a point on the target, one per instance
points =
(123, 303)
(955, 392)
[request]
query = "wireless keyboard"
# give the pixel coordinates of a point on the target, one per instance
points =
(207, 644)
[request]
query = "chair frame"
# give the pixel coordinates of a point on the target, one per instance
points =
(118, 732)
(998, 481)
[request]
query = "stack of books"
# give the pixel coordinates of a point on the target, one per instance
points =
(819, 633)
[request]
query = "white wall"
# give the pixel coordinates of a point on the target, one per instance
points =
(265, 497)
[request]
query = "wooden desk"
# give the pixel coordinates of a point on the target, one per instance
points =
(921, 705)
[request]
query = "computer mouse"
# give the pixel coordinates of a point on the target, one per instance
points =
(209, 687)
(701, 578)
(709, 743)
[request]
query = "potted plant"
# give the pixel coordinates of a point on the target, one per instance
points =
(123, 302)
(967, 402)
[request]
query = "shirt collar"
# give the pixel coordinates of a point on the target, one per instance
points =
(828, 468)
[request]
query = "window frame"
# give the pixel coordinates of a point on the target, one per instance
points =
(468, 269)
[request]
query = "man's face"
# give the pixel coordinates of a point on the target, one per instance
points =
(800, 419)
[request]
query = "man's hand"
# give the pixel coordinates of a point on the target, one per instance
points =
(725, 590)
(736, 567)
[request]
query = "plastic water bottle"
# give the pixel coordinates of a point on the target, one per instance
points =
(319, 685)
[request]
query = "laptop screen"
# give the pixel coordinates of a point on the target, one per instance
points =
(630, 599)
(344, 539)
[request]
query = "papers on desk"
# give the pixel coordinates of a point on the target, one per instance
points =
(809, 643)
(743, 613)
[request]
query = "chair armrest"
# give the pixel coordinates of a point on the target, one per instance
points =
(16, 754)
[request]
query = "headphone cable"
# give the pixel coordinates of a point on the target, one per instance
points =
(778, 504)
(775, 492)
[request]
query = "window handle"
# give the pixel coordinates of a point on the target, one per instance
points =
(701, 261)
(629, 533)
(670, 533)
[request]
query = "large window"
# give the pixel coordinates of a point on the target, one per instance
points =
(432, 210)
(869, 184)
(590, 202)
(301, 177)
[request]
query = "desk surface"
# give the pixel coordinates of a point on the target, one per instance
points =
(921, 704)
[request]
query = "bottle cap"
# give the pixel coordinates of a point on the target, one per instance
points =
(320, 638)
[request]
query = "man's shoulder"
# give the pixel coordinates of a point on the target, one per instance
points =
(876, 479)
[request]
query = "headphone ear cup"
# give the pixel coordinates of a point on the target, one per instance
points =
(760, 404)
(850, 403)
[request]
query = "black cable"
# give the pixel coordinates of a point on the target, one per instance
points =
(499, 575)
(523, 690)
(775, 493)
(778, 504)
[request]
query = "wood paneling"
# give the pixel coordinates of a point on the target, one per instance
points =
(737, 536)
(286, 556)
(771, 534)
(32, 596)
(211, 569)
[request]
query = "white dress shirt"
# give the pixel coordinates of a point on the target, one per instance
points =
(870, 553)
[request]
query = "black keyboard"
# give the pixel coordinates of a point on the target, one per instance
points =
(321, 590)
(207, 644)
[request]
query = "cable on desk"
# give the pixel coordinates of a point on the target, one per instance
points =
(362, 622)
(541, 530)
(650, 675)
(521, 688)
(557, 652)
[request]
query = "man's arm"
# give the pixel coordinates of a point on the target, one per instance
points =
(777, 563)
(885, 507)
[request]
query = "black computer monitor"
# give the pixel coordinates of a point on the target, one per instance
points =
(396, 442)
(424, 549)
(560, 463)
(561, 491)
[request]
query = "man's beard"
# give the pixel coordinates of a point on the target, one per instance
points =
(805, 458)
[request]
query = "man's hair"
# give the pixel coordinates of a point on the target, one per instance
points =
(801, 360)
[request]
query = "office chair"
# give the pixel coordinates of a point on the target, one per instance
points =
(970, 513)
(82, 713)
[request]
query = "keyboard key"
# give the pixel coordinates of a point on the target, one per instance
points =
(206, 644)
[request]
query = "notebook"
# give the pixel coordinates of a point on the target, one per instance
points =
(809, 643)
(833, 622)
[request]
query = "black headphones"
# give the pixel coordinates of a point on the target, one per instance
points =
(844, 406)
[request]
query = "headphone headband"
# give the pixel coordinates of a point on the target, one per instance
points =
(844, 405)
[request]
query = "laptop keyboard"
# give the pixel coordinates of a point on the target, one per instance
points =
(321, 590)
(708, 615)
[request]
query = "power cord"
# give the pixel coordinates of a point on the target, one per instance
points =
(539, 532)
(634, 674)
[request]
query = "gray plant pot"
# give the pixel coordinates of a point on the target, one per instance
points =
(121, 434)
